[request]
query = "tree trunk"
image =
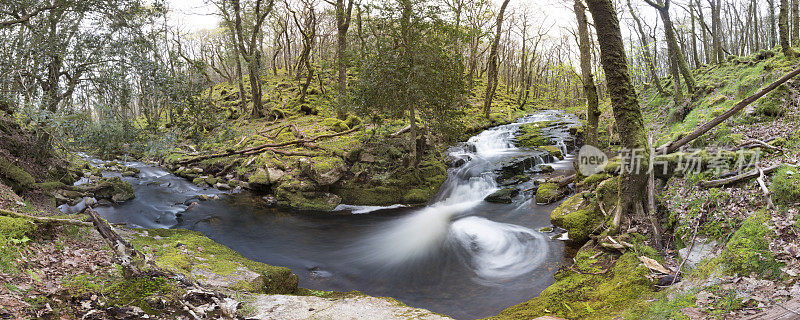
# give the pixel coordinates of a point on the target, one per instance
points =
(589, 90)
(672, 44)
(491, 81)
(772, 31)
(716, 30)
(795, 23)
(627, 114)
(783, 26)
(343, 15)
(648, 60)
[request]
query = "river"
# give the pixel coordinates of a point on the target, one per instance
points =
(459, 255)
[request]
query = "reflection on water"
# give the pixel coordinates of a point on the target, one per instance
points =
(458, 256)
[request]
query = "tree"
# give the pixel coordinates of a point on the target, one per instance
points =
(648, 59)
(308, 32)
(589, 90)
(627, 113)
(672, 43)
(343, 15)
(783, 29)
(248, 48)
(491, 80)
(795, 23)
(412, 69)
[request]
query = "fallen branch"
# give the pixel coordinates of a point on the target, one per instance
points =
(651, 202)
(269, 147)
(737, 178)
(756, 142)
(401, 131)
(133, 262)
(764, 189)
(673, 146)
(69, 222)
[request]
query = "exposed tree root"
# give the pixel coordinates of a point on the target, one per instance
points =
(737, 178)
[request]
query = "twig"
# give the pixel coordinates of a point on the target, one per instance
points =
(737, 178)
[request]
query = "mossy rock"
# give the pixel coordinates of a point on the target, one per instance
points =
(17, 178)
(578, 216)
(259, 180)
(300, 196)
(748, 250)
(50, 185)
(335, 125)
(503, 195)
(594, 180)
(352, 121)
(113, 188)
(785, 186)
(553, 151)
(603, 295)
(530, 135)
(548, 193)
(416, 196)
(192, 254)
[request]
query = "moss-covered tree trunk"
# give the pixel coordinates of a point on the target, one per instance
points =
(795, 23)
(491, 81)
(627, 113)
(589, 89)
(783, 29)
(343, 14)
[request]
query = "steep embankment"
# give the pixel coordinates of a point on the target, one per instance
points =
(308, 159)
(737, 253)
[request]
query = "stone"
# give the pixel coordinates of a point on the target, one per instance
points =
(275, 174)
(350, 306)
(703, 249)
(222, 186)
(502, 195)
(367, 158)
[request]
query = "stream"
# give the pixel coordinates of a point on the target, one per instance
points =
(459, 255)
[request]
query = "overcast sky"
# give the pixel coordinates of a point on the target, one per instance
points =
(193, 15)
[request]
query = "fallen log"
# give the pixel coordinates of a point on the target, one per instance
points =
(737, 178)
(764, 189)
(401, 131)
(673, 146)
(69, 222)
(133, 262)
(756, 142)
(269, 147)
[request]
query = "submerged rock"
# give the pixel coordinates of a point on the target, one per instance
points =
(502, 195)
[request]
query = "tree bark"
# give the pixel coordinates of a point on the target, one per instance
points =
(491, 81)
(648, 59)
(672, 43)
(795, 23)
(343, 14)
(589, 90)
(627, 113)
(783, 29)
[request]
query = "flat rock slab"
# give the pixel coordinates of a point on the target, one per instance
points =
(285, 307)
(703, 249)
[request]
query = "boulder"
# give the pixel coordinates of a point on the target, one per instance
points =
(259, 181)
(703, 249)
(502, 195)
(548, 193)
(578, 216)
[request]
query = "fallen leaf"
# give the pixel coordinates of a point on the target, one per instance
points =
(653, 265)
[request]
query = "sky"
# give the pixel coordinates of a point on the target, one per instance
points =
(195, 15)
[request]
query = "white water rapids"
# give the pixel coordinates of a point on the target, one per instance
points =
(493, 250)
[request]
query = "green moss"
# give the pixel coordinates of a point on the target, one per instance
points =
(785, 186)
(748, 250)
(335, 125)
(17, 178)
(503, 195)
(578, 216)
(588, 296)
(193, 255)
(407, 185)
(530, 135)
(554, 151)
(548, 193)
(593, 180)
(50, 185)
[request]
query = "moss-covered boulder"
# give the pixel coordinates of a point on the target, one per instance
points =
(786, 185)
(530, 135)
(578, 216)
(335, 125)
(502, 195)
(748, 250)
(323, 170)
(112, 188)
(410, 186)
(305, 195)
(195, 256)
(590, 293)
(548, 193)
(15, 177)
(259, 180)
(553, 151)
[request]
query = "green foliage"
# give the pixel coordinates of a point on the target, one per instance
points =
(14, 234)
(424, 75)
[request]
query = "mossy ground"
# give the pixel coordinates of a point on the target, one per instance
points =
(588, 296)
(190, 253)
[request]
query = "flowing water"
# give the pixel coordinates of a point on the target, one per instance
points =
(459, 255)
